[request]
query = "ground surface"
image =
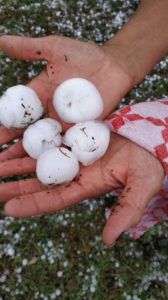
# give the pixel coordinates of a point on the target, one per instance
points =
(61, 255)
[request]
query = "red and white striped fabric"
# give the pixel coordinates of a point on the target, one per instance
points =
(146, 124)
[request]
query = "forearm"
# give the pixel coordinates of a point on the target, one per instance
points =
(144, 39)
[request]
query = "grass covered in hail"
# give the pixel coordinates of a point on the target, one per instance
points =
(61, 255)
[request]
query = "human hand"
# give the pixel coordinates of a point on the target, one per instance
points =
(66, 58)
(125, 165)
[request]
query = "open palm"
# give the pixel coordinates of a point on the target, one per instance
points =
(125, 165)
(67, 58)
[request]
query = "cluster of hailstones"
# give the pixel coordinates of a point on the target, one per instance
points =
(76, 100)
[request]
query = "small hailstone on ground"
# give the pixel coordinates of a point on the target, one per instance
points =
(59, 273)
(41, 136)
(77, 100)
(49, 244)
(18, 270)
(58, 292)
(65, 264)
(88, 140)
(57, 166)
(92, 289)
(24, 262)
(3, 278)
(19, 107)
(43, 257)
(10, 251)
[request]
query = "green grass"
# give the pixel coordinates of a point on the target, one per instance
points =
(70, 241)
(75, 236)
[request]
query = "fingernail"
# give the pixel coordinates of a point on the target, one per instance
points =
(115, 241)
(111, 245)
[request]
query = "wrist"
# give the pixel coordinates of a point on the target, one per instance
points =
(142, 41)
(139, 56)
(124, 57)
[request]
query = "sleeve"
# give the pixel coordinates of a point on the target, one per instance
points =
(146, 124)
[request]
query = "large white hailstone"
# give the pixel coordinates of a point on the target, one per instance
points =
(55, 166)
(41, 136)
(77, 100)
(88, 140)
(19, 107)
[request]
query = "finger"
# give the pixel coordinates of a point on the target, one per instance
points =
(27, 48)
(45, 201)
(9, 190)
(127, 212)
(17, 166)
(7, 135)
(14, 151)
(60, 196)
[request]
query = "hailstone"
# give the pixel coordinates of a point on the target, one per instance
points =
(57, 165)
(88, 140)
(41, 136)
(77, 100)
(19, 107)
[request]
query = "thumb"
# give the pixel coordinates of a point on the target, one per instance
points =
(27, 48)
(128, 210)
